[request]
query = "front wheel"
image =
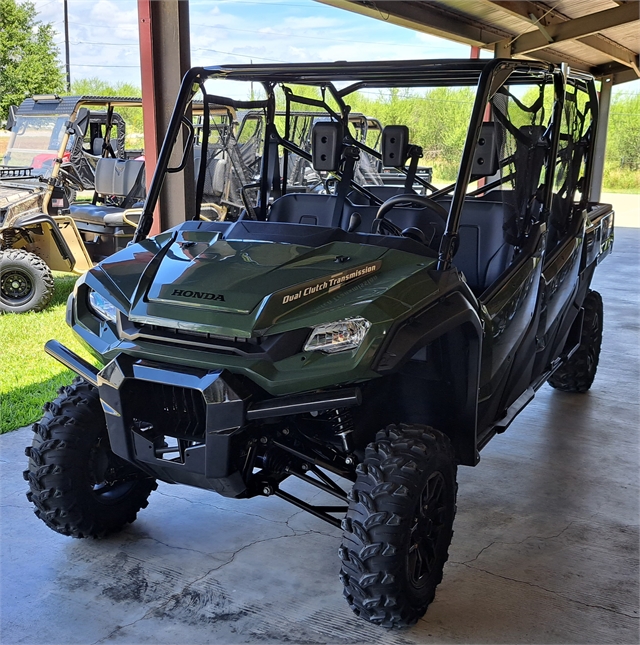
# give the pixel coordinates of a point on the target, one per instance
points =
(78, 486)
(399, 525)
(26, 282)
(577, 374)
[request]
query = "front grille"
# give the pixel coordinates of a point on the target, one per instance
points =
(272, 348)
(160, 410)
(232, 346)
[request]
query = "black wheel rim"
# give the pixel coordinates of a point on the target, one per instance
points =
(426, 529)
(110, 478)
(16, 287)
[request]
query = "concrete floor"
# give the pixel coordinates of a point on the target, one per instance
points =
(545, 547)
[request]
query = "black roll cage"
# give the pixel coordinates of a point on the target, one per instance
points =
(487, 75)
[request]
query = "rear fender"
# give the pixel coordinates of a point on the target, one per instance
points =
(46, 240)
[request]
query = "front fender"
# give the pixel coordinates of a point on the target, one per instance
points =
(454, 323)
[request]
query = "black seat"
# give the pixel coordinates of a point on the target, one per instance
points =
(215, 171)
(114, 178)
(483, 252)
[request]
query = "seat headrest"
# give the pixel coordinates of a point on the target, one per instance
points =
(117, 176)
(96, 147)
(326, 145)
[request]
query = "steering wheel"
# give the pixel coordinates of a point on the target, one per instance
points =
(384, 226)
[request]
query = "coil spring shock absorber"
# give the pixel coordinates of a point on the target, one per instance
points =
(8, 238)
(343, 426)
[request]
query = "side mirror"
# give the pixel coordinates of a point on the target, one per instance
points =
(326, 146)
(485, 156)
(395, 145)
(11, 117)
(80, 125)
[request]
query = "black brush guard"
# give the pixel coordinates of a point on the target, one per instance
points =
(183, 425)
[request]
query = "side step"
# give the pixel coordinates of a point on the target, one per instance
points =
(573, 341)
(512, 412)
(514, 409)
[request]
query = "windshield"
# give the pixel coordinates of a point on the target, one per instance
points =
(35, 141)
(436, 121)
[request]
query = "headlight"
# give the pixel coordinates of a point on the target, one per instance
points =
(338, 336)
(101, 306)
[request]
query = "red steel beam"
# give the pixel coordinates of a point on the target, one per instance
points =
(149, 99)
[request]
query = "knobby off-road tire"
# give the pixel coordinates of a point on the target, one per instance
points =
(77, 485)
(398, 527)
(26, 282)
(577, 374)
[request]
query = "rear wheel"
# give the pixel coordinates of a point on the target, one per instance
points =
(26, 282)
(78, 486)
(399, 525)
(577, 374)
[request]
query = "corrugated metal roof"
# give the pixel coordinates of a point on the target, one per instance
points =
(607, 44)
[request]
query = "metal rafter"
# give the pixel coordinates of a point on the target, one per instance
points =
(574, 28)
(544, 17)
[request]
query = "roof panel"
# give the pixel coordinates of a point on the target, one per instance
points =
(578, 8)
(488, 22)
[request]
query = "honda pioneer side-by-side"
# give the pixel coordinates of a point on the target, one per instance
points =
(370, 334)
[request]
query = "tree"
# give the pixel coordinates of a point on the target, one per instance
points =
(95, 86)
(623, 142)
(28, 56)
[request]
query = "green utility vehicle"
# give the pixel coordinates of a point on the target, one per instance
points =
(59, 147)
(376, 334)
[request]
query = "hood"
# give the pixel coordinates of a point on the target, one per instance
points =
(18, 198)
(197, 280)
(237, 276)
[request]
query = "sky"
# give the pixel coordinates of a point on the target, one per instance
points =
(104, 36)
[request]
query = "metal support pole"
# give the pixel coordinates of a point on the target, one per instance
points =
(66, 45)
(601, 138)
(164, 59)
(502, 49)
(475, 54)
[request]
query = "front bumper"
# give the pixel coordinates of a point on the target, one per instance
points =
(187, 425)
(177, 425)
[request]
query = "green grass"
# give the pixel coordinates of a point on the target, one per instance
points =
(29, 377)
(619, 180)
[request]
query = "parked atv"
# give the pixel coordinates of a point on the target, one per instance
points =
(59, 147)
(42, 225)
(374, 334)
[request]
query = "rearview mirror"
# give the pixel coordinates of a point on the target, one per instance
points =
(81, 123)
(326, 146)
(395, 145)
